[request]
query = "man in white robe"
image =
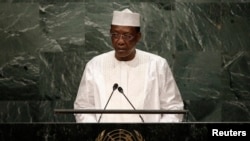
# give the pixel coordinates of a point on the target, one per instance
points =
(146, 79)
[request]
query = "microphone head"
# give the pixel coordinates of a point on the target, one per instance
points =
(115, 86)
(120, 89)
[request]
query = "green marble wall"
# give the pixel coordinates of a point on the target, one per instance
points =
(45, 44)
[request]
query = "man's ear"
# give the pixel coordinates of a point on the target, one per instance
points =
(138, 36)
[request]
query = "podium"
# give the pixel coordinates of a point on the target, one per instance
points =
(66, 131)
(118, 132)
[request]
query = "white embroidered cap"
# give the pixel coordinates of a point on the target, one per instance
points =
(126, 18)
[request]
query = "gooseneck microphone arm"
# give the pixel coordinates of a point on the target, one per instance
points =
(121, 91)
(115, 86)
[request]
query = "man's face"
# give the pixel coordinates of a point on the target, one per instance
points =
(124, 39)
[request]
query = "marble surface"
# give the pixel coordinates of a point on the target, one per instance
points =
(44, 46)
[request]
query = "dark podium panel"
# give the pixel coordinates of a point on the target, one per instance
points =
(121, 132)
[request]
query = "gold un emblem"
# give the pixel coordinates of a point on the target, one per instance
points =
(119, 135)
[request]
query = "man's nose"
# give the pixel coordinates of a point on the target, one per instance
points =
(120, 40)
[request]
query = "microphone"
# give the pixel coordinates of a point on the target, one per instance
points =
(121, 91)
(115, 86)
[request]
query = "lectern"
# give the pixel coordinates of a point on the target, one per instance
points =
(122, 132)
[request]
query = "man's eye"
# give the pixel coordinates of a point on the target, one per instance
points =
(115, 35)
(128, 36)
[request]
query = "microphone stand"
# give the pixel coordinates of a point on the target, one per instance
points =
(115, 86)
(121, 91)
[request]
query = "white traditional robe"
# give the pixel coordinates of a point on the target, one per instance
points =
(146, 80)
